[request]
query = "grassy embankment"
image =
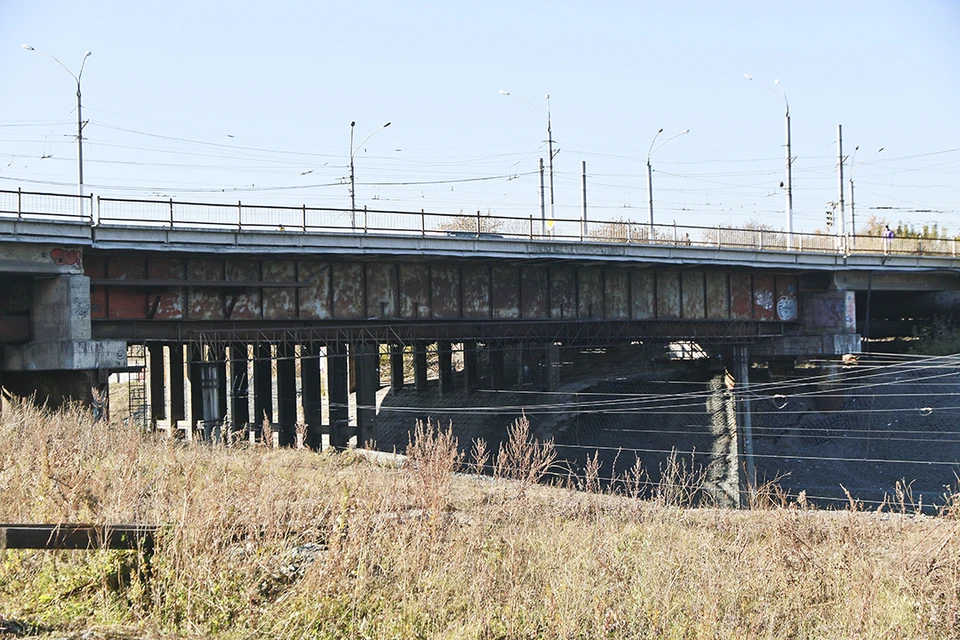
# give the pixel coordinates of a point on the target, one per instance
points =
(291, 544)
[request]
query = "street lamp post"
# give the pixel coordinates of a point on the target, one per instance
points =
(650, 170)
(353, 193)
(543, 223)
(789, 187)
(79, 118)
(853, 217)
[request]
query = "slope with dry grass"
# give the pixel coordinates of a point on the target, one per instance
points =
(259, 542)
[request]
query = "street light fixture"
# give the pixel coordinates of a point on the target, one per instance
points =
(650, 169)
(353, 150)
(544, 224)
(76, 78)
(853, 218)
(786, 105)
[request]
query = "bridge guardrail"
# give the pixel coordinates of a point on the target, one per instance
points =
(171, 214)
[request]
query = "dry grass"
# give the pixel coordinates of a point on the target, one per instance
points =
(285, 543)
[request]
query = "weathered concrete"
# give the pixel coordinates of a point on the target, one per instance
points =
(60, 339)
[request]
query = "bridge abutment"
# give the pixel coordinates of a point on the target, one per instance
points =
(61, 362)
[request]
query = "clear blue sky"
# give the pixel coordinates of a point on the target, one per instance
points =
(252, 101)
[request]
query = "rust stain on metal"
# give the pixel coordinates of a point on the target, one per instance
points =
(279, 303)
(590, 290)
(533, 292)
(741, 296)
(642, 295)
(315, 299)
(414, 291)
(617, 283)
(170, 305)
(381, 290)
(204, 303)
(476, 292)
(718, 296)
(126, 303)
(668, 294)
(245, 302)
(348, 290)
(506, 292)
(445, 289)
(694, 305)
(563, 293)
(788, 287)
(95, 267)
(764, 297)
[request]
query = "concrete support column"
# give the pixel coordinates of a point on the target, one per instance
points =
(210, 394)
(286, 393)
(420, 365)
(497, 369)
(396, 367)
(178, 405)
(553, 367)
(262, 386)
(521, 350)
(445, 365)
(748, 477)
(222, 397)
(339, 394)
(368, 382)
(195, 378)
(239, 385)
(155, 369)
(470, 368)
(311, 396)
(724, 468)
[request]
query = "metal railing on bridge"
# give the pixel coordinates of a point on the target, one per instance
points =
(171, 214)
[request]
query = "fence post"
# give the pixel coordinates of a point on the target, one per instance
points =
(304, 226)
(91, 209)
(674, 233)
(171, 213)
(94, 219)
(19, 204)
(239, 215)
(478, 223)
(423, 223)
(364, 219)
(531, 226)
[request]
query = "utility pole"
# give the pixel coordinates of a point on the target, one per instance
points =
(583, 227)
(76, 77)
(841, 227)
(543, 211)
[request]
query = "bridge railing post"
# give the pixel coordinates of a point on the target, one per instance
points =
(531, 226)
(19, 204)
(719, 241)
(478, 223)
(364, 219)
(171, 213)
(304, 221)
(423, 223)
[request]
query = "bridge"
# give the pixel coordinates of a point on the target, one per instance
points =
(243, 311)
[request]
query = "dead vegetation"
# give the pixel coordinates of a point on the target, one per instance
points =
(287, 543)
